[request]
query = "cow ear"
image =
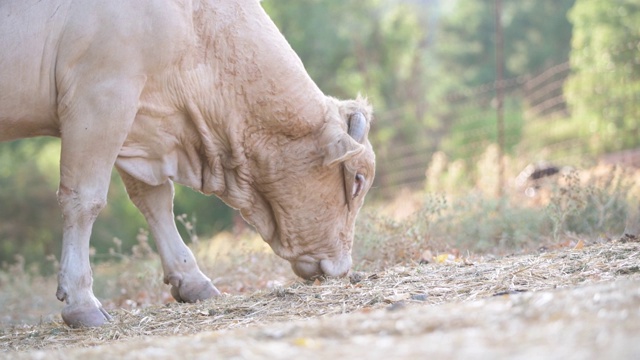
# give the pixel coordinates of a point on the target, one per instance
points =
(341, 149)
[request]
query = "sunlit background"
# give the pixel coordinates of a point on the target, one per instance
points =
(449, 118)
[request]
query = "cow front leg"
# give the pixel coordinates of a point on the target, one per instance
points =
(79, 209)
(94, 122)
(188, 283)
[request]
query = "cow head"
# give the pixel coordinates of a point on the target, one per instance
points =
(308, 190)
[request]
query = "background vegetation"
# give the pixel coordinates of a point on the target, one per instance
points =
(428, 67)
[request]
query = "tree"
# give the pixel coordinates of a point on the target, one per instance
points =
(604, 90)
(30, 223)
(537, 35)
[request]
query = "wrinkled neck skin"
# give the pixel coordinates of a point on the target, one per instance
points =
(240, 92)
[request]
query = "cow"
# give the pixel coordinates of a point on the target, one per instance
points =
(203, 93)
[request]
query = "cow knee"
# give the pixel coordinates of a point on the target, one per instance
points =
(78, 206)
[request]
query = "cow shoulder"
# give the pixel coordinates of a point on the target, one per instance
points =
(124, 37)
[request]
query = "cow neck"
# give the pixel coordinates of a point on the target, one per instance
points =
(253, 62)
(244, 76)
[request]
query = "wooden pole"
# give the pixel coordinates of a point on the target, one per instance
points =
(499, 94)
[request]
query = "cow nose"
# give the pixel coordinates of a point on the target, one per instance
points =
(310, 269)
(336, 267)
(307, 269)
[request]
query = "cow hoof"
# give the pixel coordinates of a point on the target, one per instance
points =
(84, 316)
(192, 292)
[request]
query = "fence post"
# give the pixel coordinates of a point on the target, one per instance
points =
(499, 94)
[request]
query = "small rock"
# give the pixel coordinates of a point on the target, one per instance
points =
(396, 306)
(419, 297)
(356, 277)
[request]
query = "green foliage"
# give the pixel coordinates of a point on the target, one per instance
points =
(206, 215)
(604, 90)
(536, 35)
(373, 47)
(476, 128)
(31, 222)
(564, 136)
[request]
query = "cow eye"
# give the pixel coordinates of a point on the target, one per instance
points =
(358, 184)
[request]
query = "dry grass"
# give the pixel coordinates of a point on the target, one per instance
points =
(591, 204)
(591, 321)
(237, 264)
(447, 279)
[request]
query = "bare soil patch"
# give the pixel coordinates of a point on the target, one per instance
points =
(582, 301)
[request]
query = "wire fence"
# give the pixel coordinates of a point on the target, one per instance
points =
(533, 106)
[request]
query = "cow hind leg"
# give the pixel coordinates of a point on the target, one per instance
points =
(92, 133)
(188, 283)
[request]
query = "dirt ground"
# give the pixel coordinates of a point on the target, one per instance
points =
(581, 302)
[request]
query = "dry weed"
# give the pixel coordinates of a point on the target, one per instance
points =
(445, 280)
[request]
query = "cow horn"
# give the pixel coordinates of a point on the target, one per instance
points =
(357, 126)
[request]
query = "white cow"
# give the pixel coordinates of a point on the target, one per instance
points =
(206, 93)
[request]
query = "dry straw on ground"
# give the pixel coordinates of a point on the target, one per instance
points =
(444, 280)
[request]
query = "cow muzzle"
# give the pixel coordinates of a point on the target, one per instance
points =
(308, 268)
